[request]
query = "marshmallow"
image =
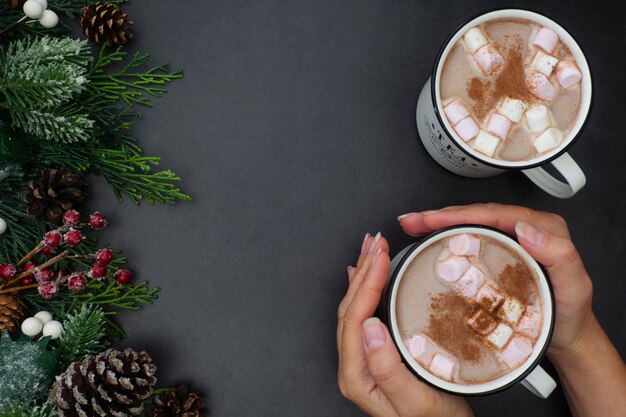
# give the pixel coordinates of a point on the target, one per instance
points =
(544, 63)
(540, 86)
(466, 128)
(482, 323)
(499, 125)
(513, 109)
(444, 366)
(537, 118)
(486, 143)
(500, 335)
(489, 298)
(549, 139)
(511, 310)
(452, 268)
(471, 280)
(546, 39)
(529, 324)
(516, 351)
(464, 245)
(474, 39)
(456, 111)
(488, 58)
(421, 348)
(568, 74)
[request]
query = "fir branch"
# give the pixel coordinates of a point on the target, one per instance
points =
(122, 297)
(73, 8)
(84, 333)
(8, 16)
(61, 127)
(23, 231)
(24, 409)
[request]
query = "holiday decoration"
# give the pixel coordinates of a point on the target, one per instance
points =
(85, 331)
(12, 311)
(105, 23)
(178, 402)
(112, 383)
(54, 192)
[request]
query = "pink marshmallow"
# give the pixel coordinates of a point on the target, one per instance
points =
(444, 366)
(568, 74)
(466, 128)
(546, 39)
(489, 297)
(421, 348)
(541, 86)
(470, 282)
(488, 58)
(452, 268)
(529, 324)
(516, 351)
(499, 125)
(464, 245)
(456, 111)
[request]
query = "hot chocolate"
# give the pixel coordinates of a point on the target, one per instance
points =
(511, 89)
(469, 309)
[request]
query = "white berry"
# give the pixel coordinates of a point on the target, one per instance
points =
(33, 9)
(48, 19)
(43, 317)
(3, 226)
(31, 326)
(44, 3)
(53, 329)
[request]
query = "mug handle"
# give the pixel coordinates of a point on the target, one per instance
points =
(568, 168)
(539, 382)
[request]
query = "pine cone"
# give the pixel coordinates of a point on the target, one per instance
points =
(104, 23)
(15, 4)
(53, 193)
(178, 402)
(112, 383)
(12, 311)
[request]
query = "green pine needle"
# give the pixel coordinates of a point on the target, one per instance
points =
(23, 409)
(84, 334)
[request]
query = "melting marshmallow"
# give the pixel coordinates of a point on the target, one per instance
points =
(471, 280)
(499, 125)
(537, 118)
(488, 58)
(544, 63)
(482, 323)
(456, 111)
(421, 348)
(489, 297)
(513, 109)
(500, 335)
(464, 245)
(549, 139)
(486, 143)
(474, 39)
(516, 351)
(466, 129)
(540, 86)
(529, 324)
(546, 39)
(511, 310)
(452, 268)
(568, 74)
(444, 366)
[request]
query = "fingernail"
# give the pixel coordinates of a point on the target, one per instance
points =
(406, 215)
(529, 233)
(373, 333)
(373, 245)
(376, 256)
(349, 278)
(363, 248)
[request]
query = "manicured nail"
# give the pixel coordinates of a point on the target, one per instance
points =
(373, 245)
(376, 256)
(529, 233)
(349, 277)
(363, 248)
(373, 333)
(406, 215)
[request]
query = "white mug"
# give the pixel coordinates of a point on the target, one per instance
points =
(529, 374)
(445, 146)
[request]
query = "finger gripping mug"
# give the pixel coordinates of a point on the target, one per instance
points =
(471, 312)
(448, 149)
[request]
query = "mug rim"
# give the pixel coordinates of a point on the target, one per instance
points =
(477, 155)
(387, 312)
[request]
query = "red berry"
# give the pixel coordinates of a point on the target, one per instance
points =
(53, 238)
(104, 256)
(29, 266)
(71, 218)
(27, 280)
(98, 271)
(77, 283)
(73, 238)
(123, 276)
(44, 275)
(97, 221)
(47, 250)
(7, 271)
(48, 290)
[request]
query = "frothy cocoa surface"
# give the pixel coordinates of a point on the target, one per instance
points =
(426, 304)
(461, 78)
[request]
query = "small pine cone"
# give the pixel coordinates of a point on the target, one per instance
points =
(15, 4)
(53, 193)
(12, 311)
(110, 384)
(178, 402)
(104, 23)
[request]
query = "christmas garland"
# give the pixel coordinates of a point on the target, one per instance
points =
(67, 107)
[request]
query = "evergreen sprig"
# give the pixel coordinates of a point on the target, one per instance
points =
(84, 334)
(24, 409)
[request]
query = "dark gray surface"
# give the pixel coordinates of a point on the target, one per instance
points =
(294, 132)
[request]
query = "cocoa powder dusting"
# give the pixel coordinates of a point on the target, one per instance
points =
(517, 280)
(448, 326)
